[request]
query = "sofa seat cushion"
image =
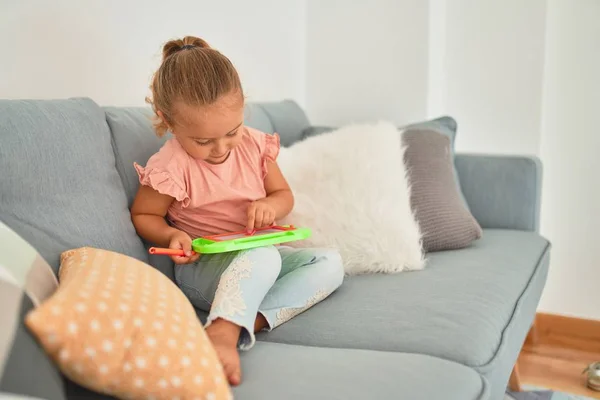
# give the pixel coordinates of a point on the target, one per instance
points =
(59, 188)
(457, 308)
(279, 371)
(274, 371)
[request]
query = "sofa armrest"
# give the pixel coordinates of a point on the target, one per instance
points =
(503, 192)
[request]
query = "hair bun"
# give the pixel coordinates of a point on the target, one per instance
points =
(174, 46)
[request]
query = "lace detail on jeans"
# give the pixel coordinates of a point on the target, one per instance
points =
(285, 314)
(228, 296)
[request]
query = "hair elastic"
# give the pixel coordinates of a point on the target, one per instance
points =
(187, 47)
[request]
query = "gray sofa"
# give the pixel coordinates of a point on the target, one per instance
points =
(451, 331)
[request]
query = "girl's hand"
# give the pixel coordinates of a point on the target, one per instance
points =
(182, 241)
(261, 214)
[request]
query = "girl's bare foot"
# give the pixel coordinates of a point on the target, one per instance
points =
(224, 337)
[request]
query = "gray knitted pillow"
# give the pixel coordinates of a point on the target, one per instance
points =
(444, 220)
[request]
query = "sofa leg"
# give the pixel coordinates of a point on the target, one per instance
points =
(533, 335)
(514, 383)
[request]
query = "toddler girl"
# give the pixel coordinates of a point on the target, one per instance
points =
(216, 175)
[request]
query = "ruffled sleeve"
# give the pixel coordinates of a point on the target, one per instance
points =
(269, 150)
(164, 175)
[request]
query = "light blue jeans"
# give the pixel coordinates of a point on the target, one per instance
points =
(278, 282)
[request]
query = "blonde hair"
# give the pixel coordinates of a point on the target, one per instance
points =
(192, 73)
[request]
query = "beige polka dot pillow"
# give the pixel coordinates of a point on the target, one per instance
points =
(120, 327)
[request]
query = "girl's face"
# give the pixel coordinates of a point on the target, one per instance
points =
(209, 133)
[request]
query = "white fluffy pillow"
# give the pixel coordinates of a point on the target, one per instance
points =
(352, 191)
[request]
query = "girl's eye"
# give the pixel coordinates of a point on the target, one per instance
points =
(202, 143)
(232, 134)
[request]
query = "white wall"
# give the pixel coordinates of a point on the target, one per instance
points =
(436, 58)
(367, 60)
(570, 150)
(108, 49)
(403, 61)
(492, 64)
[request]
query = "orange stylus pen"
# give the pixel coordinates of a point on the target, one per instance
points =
(167, 252)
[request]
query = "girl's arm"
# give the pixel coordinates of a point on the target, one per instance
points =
(279, 194)
(278, 203)
(148, 215)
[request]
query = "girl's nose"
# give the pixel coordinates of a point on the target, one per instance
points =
(220, 148)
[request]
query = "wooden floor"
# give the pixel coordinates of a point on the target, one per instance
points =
(557, 361)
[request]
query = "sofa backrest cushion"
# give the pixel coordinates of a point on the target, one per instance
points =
(59, 188)
(256, 117)
(286, 117)
(135, 141)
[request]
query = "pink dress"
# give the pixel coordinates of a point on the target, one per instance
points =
(211, 199)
